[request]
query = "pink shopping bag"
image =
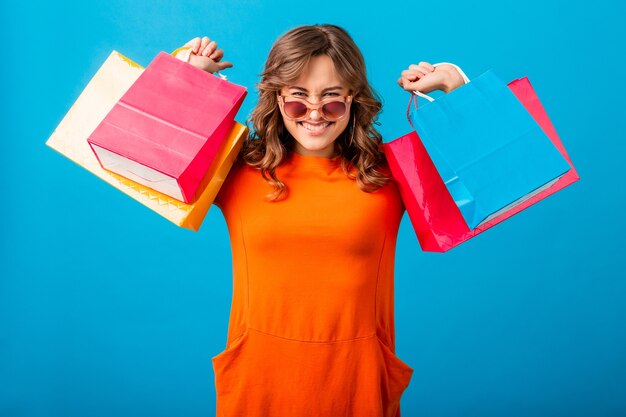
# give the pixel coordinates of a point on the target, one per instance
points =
(434, 215)
(166, 129)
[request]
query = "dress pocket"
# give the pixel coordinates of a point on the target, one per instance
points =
(224, 361)
(232, 378)
(399, 374)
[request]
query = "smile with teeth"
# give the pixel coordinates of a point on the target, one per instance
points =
(314, 127)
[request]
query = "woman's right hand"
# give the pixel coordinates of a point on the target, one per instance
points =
(425, 78)
(206, 56)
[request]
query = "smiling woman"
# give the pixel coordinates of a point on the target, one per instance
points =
(316, 130)
(316, 63)
(313, 221)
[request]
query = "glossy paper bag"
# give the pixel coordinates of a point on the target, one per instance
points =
(435, 216)
(487, 148)
(111, 81)
(168, 126)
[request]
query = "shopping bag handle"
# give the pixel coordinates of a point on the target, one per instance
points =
(186, 56)
(429, 98)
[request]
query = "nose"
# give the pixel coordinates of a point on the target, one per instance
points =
(315, 115)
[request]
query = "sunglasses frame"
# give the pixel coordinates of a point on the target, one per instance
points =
(347, 100)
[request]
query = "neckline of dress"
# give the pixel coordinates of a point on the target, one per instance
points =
(314, 160)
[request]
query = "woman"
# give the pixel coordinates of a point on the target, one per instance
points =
(313, 219)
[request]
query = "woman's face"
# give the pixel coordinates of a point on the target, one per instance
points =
(314, 135)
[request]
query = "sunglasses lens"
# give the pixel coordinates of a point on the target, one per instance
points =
(295, 109)
(334, 109)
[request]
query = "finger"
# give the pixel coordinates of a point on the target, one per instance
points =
(217, 55)
(224, 65)
(410, 86)
(424, 66)
(414, 74)
(402, 82)
(424, 86)
(406, 73)
(425, 69)
(195, 44)
(205, 42)
(210, 48)
(420, 72)
(409, 82)
(421, 69)
(406, 84)
(415, 85)
(427, 66)
(206, 49)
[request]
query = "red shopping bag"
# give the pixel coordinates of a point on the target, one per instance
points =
(434, 215)
(166, 129)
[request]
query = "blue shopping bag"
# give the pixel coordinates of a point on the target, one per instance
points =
(487, 148)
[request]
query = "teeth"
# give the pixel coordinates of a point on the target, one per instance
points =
(314, 128)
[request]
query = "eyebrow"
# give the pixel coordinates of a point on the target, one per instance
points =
(337, 87)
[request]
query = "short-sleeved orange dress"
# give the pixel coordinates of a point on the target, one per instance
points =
(311, 330)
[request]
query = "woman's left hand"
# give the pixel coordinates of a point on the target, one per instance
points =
(206, 55)
(425, 78)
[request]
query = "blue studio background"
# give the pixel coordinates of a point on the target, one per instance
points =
(108, 309)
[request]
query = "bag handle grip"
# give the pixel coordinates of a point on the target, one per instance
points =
(185, 56)
(429, 98)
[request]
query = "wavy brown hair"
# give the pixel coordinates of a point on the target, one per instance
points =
(358, 145)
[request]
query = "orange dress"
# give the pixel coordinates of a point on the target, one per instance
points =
(311, 329)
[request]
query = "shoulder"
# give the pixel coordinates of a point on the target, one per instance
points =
(383, 167)
(235, 180)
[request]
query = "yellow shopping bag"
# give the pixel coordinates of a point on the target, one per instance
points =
(107, 86)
